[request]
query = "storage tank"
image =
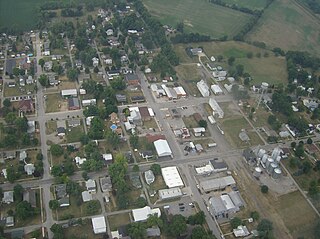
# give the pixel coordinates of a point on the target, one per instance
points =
(264, 158)
(264, 85)
(272, 167)
(261, 153)
(257, 172)
(278, 159)
(269, 161)
(275, 153)
(276, 173)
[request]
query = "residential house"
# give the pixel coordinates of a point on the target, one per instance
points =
(29, 80)
(48, 66)
(29, 168)
(86, 196)
(107, 158)
(132, 79)
(23, 155)
(144, 112)
(109, 32)
(31, 127)
(79, 161)
(146, 154)
(61, 128)
(121, 98)
(149, 176)
(153, 232)
(61, 195)
(91, 186)
(114, 118)
(8, 197)
(73, 104)
(99, 225)
(105, 184)
(95, 61)
(29, 195)
(9, 221)
(26, 106)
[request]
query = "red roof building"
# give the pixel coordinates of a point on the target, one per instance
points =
(26, 106)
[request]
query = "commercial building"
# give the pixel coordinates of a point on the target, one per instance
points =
(171, 177)
(171, 193)
(99, 225)
(142, 214)
(69, 93)
(203, 88)
(217, 183)
(216, 108)
(162, 148)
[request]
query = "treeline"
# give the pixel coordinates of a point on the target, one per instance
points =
(314, 5)
(239, 8)
(167, 54)
(72, 12)
(189, 37)
(54, 5)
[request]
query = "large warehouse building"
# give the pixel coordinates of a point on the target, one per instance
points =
(162, 148)
(171, 177)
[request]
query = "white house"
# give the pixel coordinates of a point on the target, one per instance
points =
(142, 214)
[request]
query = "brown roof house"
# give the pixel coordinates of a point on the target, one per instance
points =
(132, 79)
(114, 118)
(144, 112)
(26, 106)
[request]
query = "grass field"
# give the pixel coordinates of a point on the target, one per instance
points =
(189, 75)
(116, 221)
(198, 16)
(297, 215)
(269, 69)
(288, 25)
(19, 14)
(251, 4)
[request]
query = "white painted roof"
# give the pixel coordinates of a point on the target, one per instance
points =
(142, 214)
(162, 148)
(69, 92)
(171, 177)
(99, 224)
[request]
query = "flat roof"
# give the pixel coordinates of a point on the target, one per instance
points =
(99, 224)
(169, 193)
(142, 214)
(69, 92)
(217, 183)
(162, 148)
(171, 177)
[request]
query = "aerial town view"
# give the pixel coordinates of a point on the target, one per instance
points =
(191, 119)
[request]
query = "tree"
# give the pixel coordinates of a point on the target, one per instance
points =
(203, 123)
(309, 141)
(200, 233)
(134, 141)
(154, 220)
(72, 74)
(137, 230)
(265, 229)
(293, 144)
(54, 204)
(313, 189)
(231, 60)
(21, 124)
(299, 152)
(317, 230)
(235, 222)
(264, 189)
(156, 169)
(92, 207)
(135, 168)
(85, 176)
(44, 80)
(255, 215)
(306, 167)
(178, 225)
(18, 192)
(112, 138)
(118, 84)
(57, 231)
(41, 62)
(6, 103)
(141, 202)
(24, 210)
(197, 219)
(10, 118)
(11, 174)
(56, 150)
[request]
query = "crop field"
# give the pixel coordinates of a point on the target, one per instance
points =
(250, 4)
(198, 16)
(288, 25)
(19, 14)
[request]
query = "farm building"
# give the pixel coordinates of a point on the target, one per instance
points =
(142, 214)
(171, 193)
(73, 103)
(99, 225)
(216, 108)
(171, 177)
(203, 88)
(69, 93)
(162, 148)
(216, 89)
(217, 183)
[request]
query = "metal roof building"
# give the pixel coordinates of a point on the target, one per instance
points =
(99, 225)
(217, 183)
(142, 214)
(171, 177)
(162, 148)
(170, 193)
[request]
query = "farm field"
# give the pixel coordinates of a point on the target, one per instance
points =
(250, 4)
(19, 14)
(269, 69)
(198, 16)
(288, 25)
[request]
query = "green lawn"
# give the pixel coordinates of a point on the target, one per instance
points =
(198, 16)
(251, 4)
(84, 231)
(288, 25)
(73, 134)
(55, 103)
(18, 90)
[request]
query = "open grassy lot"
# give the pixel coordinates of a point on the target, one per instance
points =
(19, 14)
(198, 16)
(55, 103)
(288, 25)
(51, 127)
(297, 215)
(84, 230)
(73, 134)
(265, 69)
(189, 75)
(251, 4)
(116, 221)
(18, 90)
(232, 127)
